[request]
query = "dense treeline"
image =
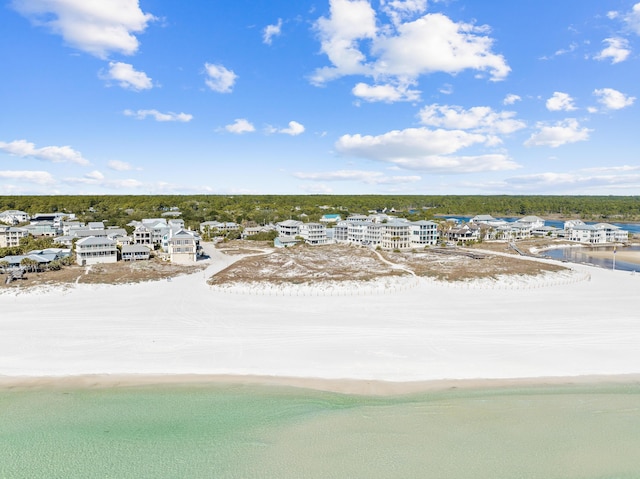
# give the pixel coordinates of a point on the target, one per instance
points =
(119, 210)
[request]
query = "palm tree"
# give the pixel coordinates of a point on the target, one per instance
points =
(30, 264)
(4, 265)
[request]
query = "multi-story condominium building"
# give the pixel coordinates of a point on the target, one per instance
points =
(289, 228)
(396, 234)
(14, 217)
(613, 234)
(424, 233)
(372, 234)
(341, 232)
(10, 236)
(393, 234)
(577, 230)
(95, 250)
(313, 233)
(356, 231)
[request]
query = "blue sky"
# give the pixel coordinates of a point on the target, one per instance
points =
(325, 96)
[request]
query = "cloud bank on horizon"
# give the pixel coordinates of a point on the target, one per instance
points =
(340, 96)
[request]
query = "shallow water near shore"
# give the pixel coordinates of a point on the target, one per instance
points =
(239, 431)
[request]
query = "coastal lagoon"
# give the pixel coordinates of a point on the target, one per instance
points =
(588, 431)
(585, 255)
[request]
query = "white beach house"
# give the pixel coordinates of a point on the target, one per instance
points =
(13, 217)
(183, 246)
(95, 250)
(289, 228)
(313, 233)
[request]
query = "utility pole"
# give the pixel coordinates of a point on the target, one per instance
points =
(614, 257)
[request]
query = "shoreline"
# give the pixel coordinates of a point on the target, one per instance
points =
(356, 387)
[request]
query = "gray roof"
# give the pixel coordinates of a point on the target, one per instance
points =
(134, 248)
(94, 240)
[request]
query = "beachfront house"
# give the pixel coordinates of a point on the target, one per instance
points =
(96, 250)
(464, 234)
(183, 246)
(135, 252)
(142, 235)
(289, 228)
(313, 233)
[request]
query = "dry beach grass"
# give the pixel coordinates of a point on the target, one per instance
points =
(305, 264)
(115, 273)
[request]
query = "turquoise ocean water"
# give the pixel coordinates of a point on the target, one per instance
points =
(234, 431)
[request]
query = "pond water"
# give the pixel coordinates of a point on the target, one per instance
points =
(581, 255)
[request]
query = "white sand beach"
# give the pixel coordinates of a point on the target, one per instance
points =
(582, 324)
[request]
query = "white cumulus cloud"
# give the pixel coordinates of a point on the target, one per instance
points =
(293, 129)
(477, 118)
(159, 116)
(617, 50)
(558, 134)
(271, 31)
(356, 42)
(385, 93)
(510, 99)
(54, 154)
(38, 177)
(118, 165)
(98, 27)
(613, 99)
(368, 177)
(633, 18)
(127, 77)
(240, 125)
(219, 78)
(425, 149)
(560, 101)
